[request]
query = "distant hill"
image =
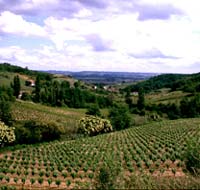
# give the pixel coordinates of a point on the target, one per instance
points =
(97, 77)
(184, 82)
(16, 69)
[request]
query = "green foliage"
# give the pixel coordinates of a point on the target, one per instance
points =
(91, 125)
(34, 132)
(186, 83)
(7, 134)
(102, 161)
(94, 110)
(6, 93)
(16, 69)
(119, 117)
(190, 107)
(56, 93)
(5, 112)
(16, 86)
(192, 155)
(104, 180)
(26, 96)
(145, 181)
(37, 89)
(173, 111)
(157, 82)
(141, 100)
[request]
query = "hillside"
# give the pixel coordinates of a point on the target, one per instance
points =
(187, 83)
(50, 153)
(155, 149)
(24, 111)
(8, 71)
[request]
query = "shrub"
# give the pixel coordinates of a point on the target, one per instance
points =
(26, 96)
(94, 110)
(34, 132)
(104, 180)
(91, 125)
(7, 134)
(119, 117)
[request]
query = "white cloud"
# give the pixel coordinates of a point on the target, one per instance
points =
(83, 13)
(109, 41)
(15, 24)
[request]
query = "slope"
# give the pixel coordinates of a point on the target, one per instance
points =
(155, 149)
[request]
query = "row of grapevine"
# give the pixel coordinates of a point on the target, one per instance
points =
(155, 149)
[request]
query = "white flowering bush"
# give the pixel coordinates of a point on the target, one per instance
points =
(91, 125)
(7, 134)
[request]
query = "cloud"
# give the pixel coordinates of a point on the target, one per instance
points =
(98, 43)
(151, 54)
(142, 35)
(64, 31)
(59, 8)
(156, 11)
(15, 24)
(95, 3)
(146, 10)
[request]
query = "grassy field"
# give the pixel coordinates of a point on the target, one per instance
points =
(155, 150)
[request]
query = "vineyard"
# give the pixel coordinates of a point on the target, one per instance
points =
(24, 111)
(155, 149)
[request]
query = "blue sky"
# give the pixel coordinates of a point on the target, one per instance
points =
(115, 35)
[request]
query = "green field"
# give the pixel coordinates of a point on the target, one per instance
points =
(165, 96)
(67, 117)
(154, 149)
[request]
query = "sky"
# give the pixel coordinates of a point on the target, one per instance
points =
(161, 36)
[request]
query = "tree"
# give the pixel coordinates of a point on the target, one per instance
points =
(65, 92)
(129, 101)
(16, 86)
(190, 107)
(6, 93)
(94, 110)
(5, 113)
(141, 99)
(37, 88)
(119, 117)
(56, 94)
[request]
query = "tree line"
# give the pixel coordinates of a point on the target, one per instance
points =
(56, 93)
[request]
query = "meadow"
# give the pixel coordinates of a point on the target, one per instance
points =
(156, 149)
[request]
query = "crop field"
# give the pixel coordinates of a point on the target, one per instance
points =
(165, 96)
(23, 111)
(155, 149)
